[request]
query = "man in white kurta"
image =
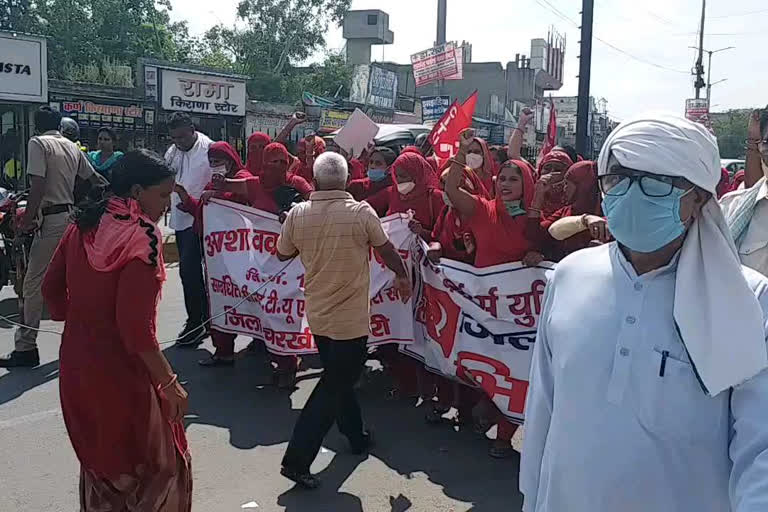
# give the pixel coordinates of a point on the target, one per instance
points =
(638, 401)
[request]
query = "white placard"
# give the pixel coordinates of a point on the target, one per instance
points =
(202, 93)
(23, 68)
(356, 133)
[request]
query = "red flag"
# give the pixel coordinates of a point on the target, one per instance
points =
(445, 134)
(551, 140)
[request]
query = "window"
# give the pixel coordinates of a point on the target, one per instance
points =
(373, 19)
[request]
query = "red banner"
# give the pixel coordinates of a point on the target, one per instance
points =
(445, 134)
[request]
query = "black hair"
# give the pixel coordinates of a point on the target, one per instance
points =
(180, 120)
(109, 131)
(47, 119)
(571, 152)
(388, 155)
(138, 167)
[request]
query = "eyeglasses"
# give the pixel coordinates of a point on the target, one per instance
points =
(651, 185)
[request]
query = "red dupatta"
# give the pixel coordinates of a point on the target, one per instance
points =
(256, 144)
(425, 200)
(302, 168)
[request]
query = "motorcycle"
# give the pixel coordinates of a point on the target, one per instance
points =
(14, 246)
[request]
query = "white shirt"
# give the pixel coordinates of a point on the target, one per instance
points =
(753, 250)
(604, 432)
(192, 172)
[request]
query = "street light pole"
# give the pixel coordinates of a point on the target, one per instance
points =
(699, 84)
(709, 68)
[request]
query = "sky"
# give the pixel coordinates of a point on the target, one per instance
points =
(640, 57)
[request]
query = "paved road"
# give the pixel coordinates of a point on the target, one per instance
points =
(238, 428)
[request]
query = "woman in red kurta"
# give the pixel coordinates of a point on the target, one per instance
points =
(416, 190)
(308, 149)
(552, 168)
(480, 160)
(505, 229)
(122, 404)
(375, 189)
(582, 198)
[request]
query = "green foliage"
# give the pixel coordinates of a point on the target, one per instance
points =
(277, 35)
(731, 131)
(83, 33)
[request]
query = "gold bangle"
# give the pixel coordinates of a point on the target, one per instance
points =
(170, 382)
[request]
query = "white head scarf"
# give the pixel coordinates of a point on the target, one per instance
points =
(718, 316)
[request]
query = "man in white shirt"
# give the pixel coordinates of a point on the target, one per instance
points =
(188, 156)
(648, 388)
(746, 210)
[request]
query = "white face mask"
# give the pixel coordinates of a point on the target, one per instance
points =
(219, 170)
(405, 188)
(447, 200)
(474, 161)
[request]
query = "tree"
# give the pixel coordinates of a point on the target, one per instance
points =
(331, 78)
(279, 33)
(88, 32)
(731, 131)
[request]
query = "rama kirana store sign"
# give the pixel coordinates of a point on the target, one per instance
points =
(203, 94)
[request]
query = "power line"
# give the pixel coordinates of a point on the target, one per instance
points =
(739, 15)
(547, 5)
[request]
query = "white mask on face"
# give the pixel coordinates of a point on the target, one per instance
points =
(447, 200)
(474, 161)
(219, 170)
(406, 188)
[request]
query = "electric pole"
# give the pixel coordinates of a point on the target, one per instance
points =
(585, 71)
(699, 84)
(442, 8)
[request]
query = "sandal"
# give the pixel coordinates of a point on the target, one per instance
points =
(302, 479)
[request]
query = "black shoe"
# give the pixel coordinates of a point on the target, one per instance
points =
(217, 361)
(16, 359)
(368, 444)
(303, 479)
(191, 336)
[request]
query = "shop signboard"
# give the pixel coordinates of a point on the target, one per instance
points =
(332, 120)
(433, 107)
(697, 110)
(89, 113)
(202, 93)
(23, 68)
(382, 88)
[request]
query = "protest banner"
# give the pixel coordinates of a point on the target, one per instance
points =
(444, 137)
(252, 293)
(438, 63)
(478, 326)
(357, 133)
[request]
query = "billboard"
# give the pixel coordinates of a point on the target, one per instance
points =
(443, 62)
(697, 110)
(23, 68)
(382, 88)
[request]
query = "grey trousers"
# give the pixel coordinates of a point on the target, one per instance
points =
(40, 255)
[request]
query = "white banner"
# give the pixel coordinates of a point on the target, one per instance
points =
(23, 68)
(479, 326)
(252, 293)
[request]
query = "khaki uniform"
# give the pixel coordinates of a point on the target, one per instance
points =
(59, 161)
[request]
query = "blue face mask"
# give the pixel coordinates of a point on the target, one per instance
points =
(377, 174)
(513, 208)
(643, 223)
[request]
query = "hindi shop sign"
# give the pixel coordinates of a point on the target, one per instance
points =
(478, 326)
(433, 107)
(99, 113)
(253, 293)
(201, 93)
(697, 110)
(23, 68)
(438, 63)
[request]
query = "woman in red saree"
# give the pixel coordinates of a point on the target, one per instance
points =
(505, 230)
(583, 200)
(308, 149)
(480, 160)
(122, 403)
(257, 141)
(226, 163)
(552, 168)
(416, 190)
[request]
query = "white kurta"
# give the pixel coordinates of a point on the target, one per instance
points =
(193, 172)
(606, 430)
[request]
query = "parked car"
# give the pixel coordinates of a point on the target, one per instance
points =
(394, 136)
(732, 166)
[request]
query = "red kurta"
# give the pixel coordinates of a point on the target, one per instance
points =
(111, 409)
